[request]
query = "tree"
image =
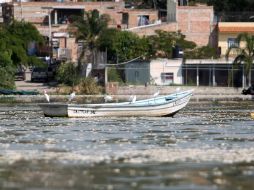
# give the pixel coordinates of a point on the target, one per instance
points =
(122, 46)
(245, 54)
(148, 4)
(161, 44)
(87, 28)
(203, 52)
(219, 5)
(231, 6)
(14, 38)
(19, 35)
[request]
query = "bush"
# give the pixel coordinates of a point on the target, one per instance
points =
(89, 86)
(67, 74)
(113, 75)
(7, 79)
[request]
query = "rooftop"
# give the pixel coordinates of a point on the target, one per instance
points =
(236, 27)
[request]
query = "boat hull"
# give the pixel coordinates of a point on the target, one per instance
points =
(145, 108)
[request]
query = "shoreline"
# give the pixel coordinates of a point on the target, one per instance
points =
(116, 98)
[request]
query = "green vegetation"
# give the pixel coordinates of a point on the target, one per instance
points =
(203, 52)
(229, 5)
(245, 54)
(161, 44)
(86, 28)
(121, 46)
(114, 75)
(219, 5)
(68, 77)
(89, 86)
(67, 74)
(14, 39)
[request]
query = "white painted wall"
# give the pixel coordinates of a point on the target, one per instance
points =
(159, 66)
(5, 1)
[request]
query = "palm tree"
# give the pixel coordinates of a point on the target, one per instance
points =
(87, 28)
(245, 54)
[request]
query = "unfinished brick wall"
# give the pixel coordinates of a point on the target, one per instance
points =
(33, 11)
(195, 22)
(134, 16)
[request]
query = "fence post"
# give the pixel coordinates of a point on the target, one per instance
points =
(243, 78)
(214, 81)
(197, 75)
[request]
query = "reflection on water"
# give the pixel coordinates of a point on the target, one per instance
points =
(205, 146)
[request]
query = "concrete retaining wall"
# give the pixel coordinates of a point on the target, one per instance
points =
(200, 93)
(143, 90)
(124, 92)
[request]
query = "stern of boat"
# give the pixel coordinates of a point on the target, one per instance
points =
(54, 110)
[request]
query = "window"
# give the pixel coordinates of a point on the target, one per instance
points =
(233, 42)
(143, 20)
(125, 18)
(167, 78)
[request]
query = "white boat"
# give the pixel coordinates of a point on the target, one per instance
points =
(159, 106)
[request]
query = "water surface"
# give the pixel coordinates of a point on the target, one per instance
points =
(205, 146)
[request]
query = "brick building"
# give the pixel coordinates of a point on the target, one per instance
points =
(51, 19)
(195, 22)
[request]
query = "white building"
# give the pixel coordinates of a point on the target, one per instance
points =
(166, 71)
(158, 72)
(5, 1)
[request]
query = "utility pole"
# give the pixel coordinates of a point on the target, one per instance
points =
(50, 30)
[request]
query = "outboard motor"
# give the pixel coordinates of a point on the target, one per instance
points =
(249, 91)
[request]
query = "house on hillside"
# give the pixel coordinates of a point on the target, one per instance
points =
(230, 25)
(228, 32)
(53, 17)
(197, 23)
